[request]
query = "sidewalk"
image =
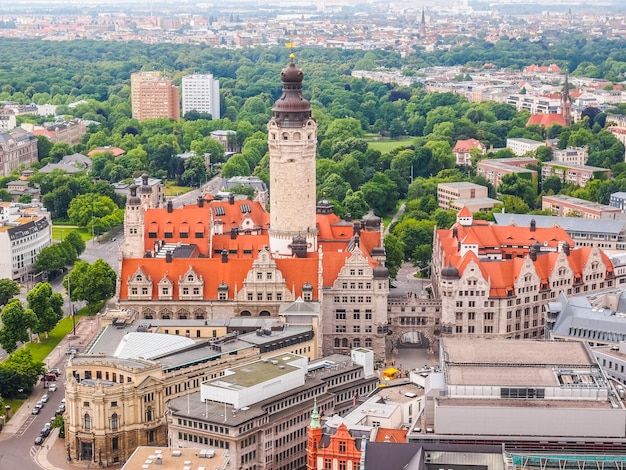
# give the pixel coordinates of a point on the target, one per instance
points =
(52, 454)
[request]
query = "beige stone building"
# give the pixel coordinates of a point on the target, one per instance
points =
(495, 281)
(17, 148)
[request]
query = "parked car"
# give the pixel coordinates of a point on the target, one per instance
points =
(44, 398)
(40, 404)
(55, 371)
(52, 387)
(45, 432)
(71, 351)
(60, 410)
(36, 410)
(63, 401)
(39, 440)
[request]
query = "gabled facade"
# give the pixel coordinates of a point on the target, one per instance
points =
(496, 281)
(221, 259)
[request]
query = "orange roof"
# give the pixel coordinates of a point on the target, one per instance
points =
(464, 212)
(546, 120)
(114, 150)
(296, 272)
(391, 435)
(467, 145)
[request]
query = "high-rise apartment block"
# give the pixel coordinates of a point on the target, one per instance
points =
(201, 93)
(153, 96)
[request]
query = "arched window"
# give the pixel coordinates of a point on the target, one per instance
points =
(356, 343)
(264, 313)
(337, 342)
(344, 343)
(115, 422)
(87, 421)
(368, 342)
(245, 313)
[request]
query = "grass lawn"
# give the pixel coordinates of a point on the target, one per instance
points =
(59, 232)
(172, 190)
(386, 145)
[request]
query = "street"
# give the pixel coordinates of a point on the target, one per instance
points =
(213, 186)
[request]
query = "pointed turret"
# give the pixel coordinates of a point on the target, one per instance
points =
(314, 438)
(423, 24)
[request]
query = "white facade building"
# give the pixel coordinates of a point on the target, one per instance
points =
(201, 93)
(24, 231)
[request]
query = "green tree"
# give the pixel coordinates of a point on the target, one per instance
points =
(47, 307)
(381, 194)
(23, 371)
(8, 289)
(514, 185)
(74, 239)
(342, 129)
(44, 145)
(92, 283)
(394, 250)
(87, 206)
(195, 171)
(59, 150)
(16, 323)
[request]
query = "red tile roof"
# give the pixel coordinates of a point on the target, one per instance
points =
(546, 120)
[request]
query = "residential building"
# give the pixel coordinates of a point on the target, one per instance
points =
(529, 396)
(19, 188)
(17, 148)
(136, 79)
(462, 149)
(521, 146)
(228, 139)
(569, 173)
(562, 205)
(201, 93)
(260, 410)
(618, 200)
(495, 281)
(219, 259)
(535, 104)
(158, 99)
(461, 194)
(25, 229)
(610, 235)
(69, 164)
(7, 120)
(69, 132)
(570, 155)
(494, 169)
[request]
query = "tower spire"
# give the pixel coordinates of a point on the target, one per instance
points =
(566, 102)
(423, 24)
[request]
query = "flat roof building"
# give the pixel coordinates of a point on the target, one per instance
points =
(562, 206)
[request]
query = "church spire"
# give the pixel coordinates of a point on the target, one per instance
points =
(423, 24)
(566, 102)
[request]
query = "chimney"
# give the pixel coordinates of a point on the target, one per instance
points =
(170, 206)
(532, 252)
(356, 228)
(233, 233)
(566, 248)
(533, 225)
(224, 256)
(168, 256)
(231, 198)
(200, 201)
(347, 217)
(455, 232)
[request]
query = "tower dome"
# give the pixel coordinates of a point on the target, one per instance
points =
(133, 199)
(299, 246)
(380, 272)
(292, 109)
(145, 187)
(450, 272)
(372, 221)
